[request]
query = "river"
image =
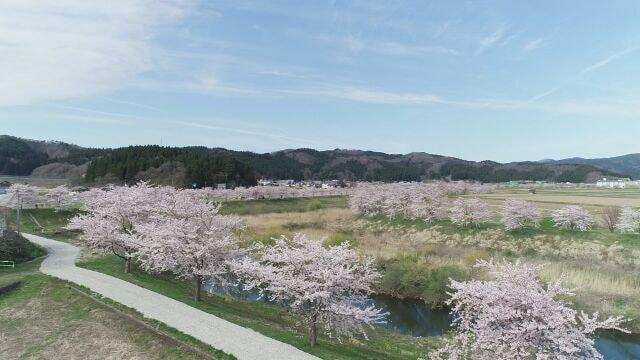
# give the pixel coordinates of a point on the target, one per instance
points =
(413, 317)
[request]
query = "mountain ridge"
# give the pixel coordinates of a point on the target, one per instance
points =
(23, 157)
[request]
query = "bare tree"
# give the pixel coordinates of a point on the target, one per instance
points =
(610, 217)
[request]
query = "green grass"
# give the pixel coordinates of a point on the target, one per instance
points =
(601, 235)
(52, 222)
(61, 310)
(270, 320)
(13, 247)
(63, 323)
(253, 207)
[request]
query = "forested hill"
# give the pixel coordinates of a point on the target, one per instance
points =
(183, 166)
(626, 164)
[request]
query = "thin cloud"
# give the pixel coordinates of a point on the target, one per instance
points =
(88, 119)
(542, 95)
(356, 45)
(607, 60)
(497, 37)
(257, 133)
(534, 44)
(65, 49)
(99, 112)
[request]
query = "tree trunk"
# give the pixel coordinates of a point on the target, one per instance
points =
(313, 330)
(198, 287)
(127, 265)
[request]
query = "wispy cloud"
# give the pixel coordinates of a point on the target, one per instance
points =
(69, 49)
(250, 132)
(356, 45)
(497, 38)
(534, 44)
(607, 60)
(542, 95)
(88, 119)
(108, 114)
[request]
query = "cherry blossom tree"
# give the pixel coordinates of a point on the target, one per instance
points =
(328, 286)
(519, 213)
(112, 217)
(610, 216)
(429, 203)
(20, 196)
(60, 197)
(189, 237)
(516, 317)
(573, 217)
(629, 220)
(465, 212)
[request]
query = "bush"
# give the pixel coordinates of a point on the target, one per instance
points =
(14, 247)
(339, 238)
(410, 277)
(315, 204)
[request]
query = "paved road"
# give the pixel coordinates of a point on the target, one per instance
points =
(243, 343)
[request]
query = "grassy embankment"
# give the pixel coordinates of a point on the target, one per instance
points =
(46, 222)
(43, 317)
(270, 320)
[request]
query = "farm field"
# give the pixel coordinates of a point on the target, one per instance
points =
(552, 198)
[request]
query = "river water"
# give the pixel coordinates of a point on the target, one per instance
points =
(414, 318)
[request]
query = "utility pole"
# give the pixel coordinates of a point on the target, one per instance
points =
(19, 215)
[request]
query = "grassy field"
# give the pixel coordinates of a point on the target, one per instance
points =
(552, 198)
(603, 267)
(270, 320)
(43, 318)
(417, 258)
(252, 207)
(46, 222)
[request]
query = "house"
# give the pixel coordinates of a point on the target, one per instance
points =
(265, 182)
(613, 183)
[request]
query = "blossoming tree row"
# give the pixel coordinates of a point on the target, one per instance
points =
(430, 202)
(167, 229)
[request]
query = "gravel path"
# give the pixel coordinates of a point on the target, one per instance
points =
(243, 343)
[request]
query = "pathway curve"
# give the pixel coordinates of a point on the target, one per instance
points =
(243, 343)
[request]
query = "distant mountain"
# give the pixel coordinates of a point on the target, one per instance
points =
(183, 166)
(625, 164)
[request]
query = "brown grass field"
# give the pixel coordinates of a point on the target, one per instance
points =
(602, 267)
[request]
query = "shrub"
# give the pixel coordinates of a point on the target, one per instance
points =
(14, 247)
(339, 238)
(315, 204)
(410, 277)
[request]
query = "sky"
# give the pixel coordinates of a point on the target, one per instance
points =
(499, 80)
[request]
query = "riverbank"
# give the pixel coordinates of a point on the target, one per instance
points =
(271, 320)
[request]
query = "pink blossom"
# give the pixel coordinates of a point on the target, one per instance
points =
(515, 317)
(465, 212)
(328, 286)
(519, 213)
(629, 220)
(573, 218)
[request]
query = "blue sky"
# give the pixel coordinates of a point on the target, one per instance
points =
(500, 80)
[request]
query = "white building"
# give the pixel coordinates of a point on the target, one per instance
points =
(613, 183)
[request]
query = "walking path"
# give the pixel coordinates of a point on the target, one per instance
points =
(241, 342)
